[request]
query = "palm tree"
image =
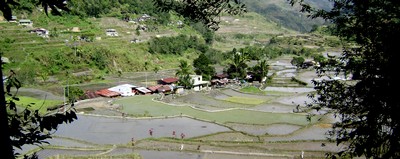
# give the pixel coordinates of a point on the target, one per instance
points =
(262, 68)
(184, 68)
(183, 73)
(238, 65)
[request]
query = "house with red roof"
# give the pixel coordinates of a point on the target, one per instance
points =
(107, 93)
(169, 80)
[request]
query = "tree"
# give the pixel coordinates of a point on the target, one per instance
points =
(297, 61)
(26, 126)
(183, 73)
(366, 106)
(238, 66)
(261, 71)
(73, 93)
(202, 67)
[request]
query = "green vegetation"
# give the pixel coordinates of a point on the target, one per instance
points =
(202, 66)
(90, 55)
(141, 104)
(37, 104)
(252, 89)
(176, 45)
(369, 122)
(245, 100)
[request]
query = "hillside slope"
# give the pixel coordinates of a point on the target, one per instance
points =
(89, 54)
(282, 13)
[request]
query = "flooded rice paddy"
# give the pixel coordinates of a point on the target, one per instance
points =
(110, 130)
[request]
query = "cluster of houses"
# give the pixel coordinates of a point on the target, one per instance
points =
(164, 86)
(29, 24)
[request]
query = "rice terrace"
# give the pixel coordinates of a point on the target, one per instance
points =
(229, 122)
(147, 84)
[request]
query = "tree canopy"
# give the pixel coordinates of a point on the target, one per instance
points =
(202, 67)
(366, 105)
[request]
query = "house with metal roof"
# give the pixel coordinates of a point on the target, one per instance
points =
(124, 89)
(169, 80)
(25, 22)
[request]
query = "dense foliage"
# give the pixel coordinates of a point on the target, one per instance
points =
(183, 73)
(366, 106)
(237, 68)
(176, 45)
(297, 61)
(202, 67)
(27, 125)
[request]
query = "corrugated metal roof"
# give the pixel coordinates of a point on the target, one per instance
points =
(154, 88)
(165, 88)
(170, 80)
(221, 76)
(107, 93)
(91, 94)
(143, 90)
(121, 87)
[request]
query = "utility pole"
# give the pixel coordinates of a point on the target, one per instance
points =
(66, 93)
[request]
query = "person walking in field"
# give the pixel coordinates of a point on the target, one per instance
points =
(182, 135)
(151, 132)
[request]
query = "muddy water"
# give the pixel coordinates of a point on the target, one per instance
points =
(101, 130)
(290, 89)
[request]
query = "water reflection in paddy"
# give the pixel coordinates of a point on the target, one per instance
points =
(107, 130)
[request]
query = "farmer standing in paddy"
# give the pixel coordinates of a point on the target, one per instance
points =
(182, 135)
(174, 134)
(151, 132)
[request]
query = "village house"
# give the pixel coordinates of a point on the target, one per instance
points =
(143, 90)
(169, 80)
(144, 17)
(41, 32)
(166, 89)
(125, 90)
(198, 83)
(161, 88)
(220, 80)
(25, 22)
(107, 93)
(111, 32)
